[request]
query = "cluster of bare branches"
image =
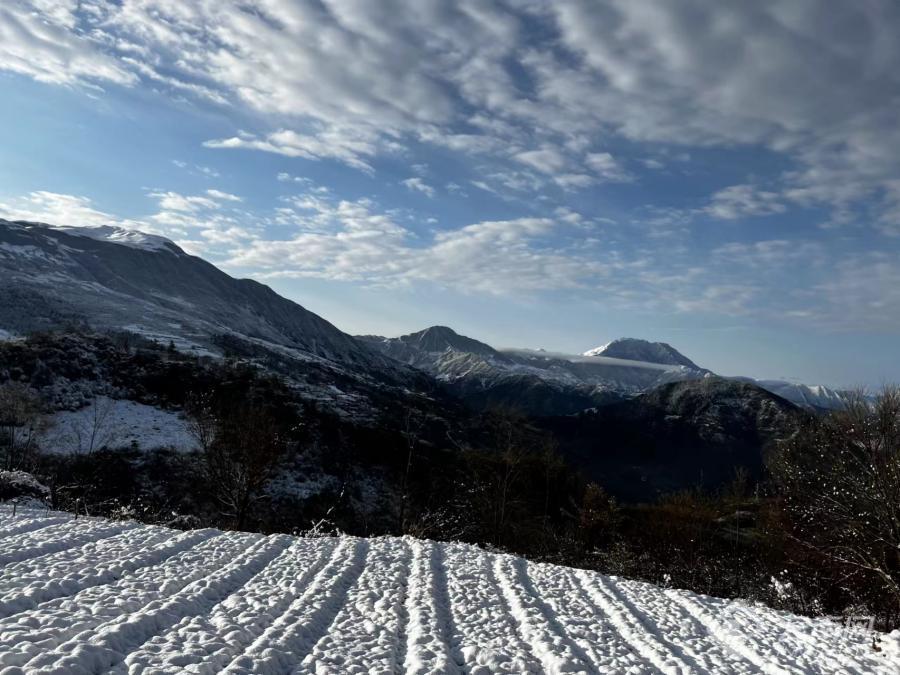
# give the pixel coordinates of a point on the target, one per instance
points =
(240, 444)
(840, 480)
(21, 424)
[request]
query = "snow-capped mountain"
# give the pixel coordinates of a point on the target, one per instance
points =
(633, 349)
(115, 278)
(538, 382)
(109, 277)
(815, 397)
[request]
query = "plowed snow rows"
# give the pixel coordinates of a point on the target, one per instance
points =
(94, 596)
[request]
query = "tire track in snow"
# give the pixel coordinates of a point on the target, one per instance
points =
(484, 633)
(584, 624)
(34, 546)
(112, 642)
(285, 644)
(679, 627)
(645, 643)
(428, 631)
(368, 632)
(52, 582)
(61, 620)
(537, 622)
(242, 616)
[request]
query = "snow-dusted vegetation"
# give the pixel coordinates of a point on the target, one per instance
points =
(112, 423)
(92, 596)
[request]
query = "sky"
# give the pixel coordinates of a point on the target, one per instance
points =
(723, 176)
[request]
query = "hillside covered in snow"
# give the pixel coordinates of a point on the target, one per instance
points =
(95, 596)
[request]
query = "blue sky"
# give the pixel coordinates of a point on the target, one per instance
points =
(721, 176)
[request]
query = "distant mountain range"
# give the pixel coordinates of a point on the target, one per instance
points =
(114, 278)
(637, 415)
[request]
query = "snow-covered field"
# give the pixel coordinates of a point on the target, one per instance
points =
(95, 596)
(115, 423)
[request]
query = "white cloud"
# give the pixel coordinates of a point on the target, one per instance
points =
(345, 145)
(352, 82)
(173, 201)
(547, 160)
(40, 40)
(739, 201)
(416, 184)
(55, 208)
(607, 168)
(224, 196)
(354, 241)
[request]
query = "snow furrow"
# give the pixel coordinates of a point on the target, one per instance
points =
(98, 597)
(36, 542)
(286, 643)
(645, 643)
(484, 634)
(63, 577)
(428, 631)
(207, 644)
(63, 619)
(365, 636)
(768, 657)
(112, 642)
(680, 628)
(14, 525)
(590, 629)
(818, 645)
(17, 576)
(537, 622)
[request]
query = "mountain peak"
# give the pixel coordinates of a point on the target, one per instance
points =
(634, 349)
(124, 237)
(111, 234)
(441, 338)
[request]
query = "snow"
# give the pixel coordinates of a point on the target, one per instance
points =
(118, 235)
(94, 596)
(114, 424)
(591, 358)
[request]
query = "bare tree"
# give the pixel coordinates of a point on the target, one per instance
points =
(513, 447)
(240, 447)
(840, 479)
(21, 422)
(92, 430)
(412, 428)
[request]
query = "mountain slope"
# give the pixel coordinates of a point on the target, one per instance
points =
(160, 600)
(679, 435)
(113, 278)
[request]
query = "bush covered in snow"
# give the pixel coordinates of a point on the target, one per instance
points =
(22, 485)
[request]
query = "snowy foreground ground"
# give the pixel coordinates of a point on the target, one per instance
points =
(93, 596)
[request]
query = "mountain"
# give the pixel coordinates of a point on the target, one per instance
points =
(812, 397)
(107, 278)
(113, 278)
(681, 434)
(633, 349)
(535, 381)
(110, 278)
